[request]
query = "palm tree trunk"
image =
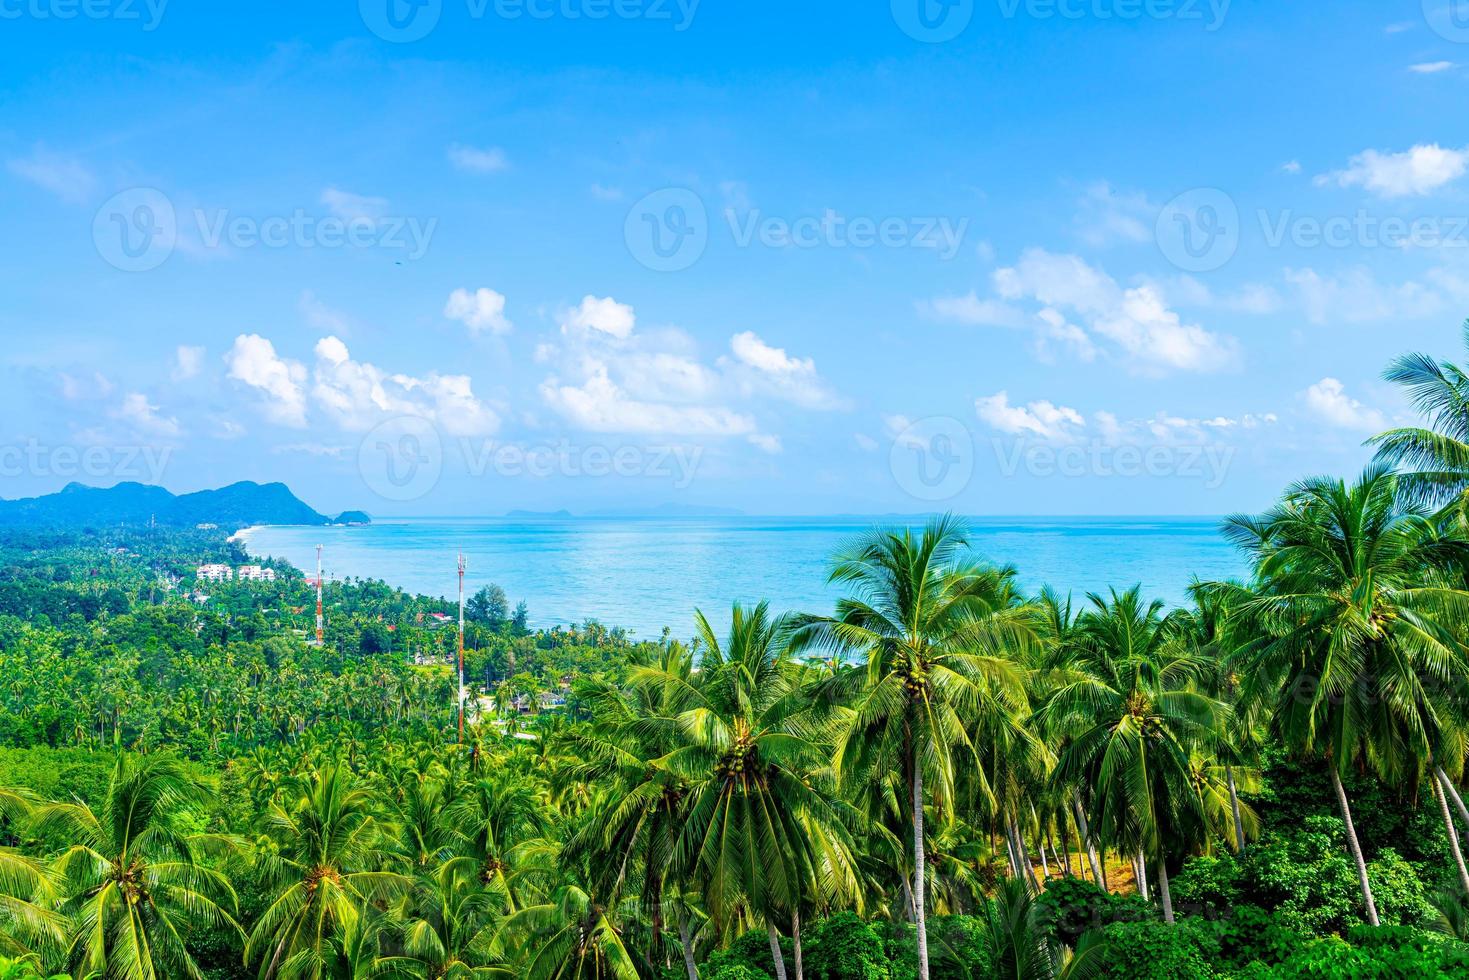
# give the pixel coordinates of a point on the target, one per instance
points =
(1353, 845)
(908, 894)
(920, 914)
(1086, 839)
(1164, 895)
(780, 963)
(688, 947)
(1453, 793)
(1239, 827)
(1453, 832)
(796, 941)
(1140, 871)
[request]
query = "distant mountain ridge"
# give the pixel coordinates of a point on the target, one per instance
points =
(237, 505)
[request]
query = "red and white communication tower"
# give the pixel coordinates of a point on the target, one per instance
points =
(320, 620)
(461, 646)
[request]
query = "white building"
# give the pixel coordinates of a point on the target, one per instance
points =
(215, 573)
(256, 573)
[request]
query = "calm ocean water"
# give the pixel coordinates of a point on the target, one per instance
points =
(647, 573)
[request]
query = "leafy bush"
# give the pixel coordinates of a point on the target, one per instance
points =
(1208, 886)
(736, 971)
(750, 952)
(844, 947)
(1158, 951)
(1386, 953)
(1305, 876)
(1249, 934)
(1073, 906)
(1400, 893)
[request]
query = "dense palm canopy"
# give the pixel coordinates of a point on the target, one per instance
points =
(948, 775)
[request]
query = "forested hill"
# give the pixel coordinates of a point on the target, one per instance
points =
(237, 505)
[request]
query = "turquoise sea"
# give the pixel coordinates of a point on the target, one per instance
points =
(647, 573)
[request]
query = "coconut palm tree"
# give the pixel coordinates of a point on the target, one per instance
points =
(1134, 715)
(446, 927)
(762, 829)
(327, 856)
(934, 633)
(133, 880)
(1355, 622)
(1436, 453)
(1019, 936)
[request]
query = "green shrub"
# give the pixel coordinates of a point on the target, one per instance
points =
(1072, 906)
(1402, 898)
(736, 971)
(1207, 886)
(1250, 934)
(1158, 951)
(843, 947)
(1305, 876)
(751, 952)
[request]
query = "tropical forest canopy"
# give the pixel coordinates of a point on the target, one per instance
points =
(943, 776)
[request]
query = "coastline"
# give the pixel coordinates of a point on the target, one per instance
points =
(242, 536)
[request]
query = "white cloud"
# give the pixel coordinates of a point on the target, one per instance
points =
(604, 315)
(1414, 172)
(600, 405)
(489, 160)
(1327, 399)
(354, 207)
(1062, 425)
(1107, 215)
(1431, 67)
(66, 177)
(1054, 423)
(604, 193)
(1148, 336)
(253, 362)
(84, 389)
(358, 395)
(1356, 296)
(1291, 166)
(481, 310)
(765, 443)
(768, 370)
(143, 416)
(865, 442)
(972, 311)
(187, 362)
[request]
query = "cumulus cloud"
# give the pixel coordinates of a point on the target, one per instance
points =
(144, 417)
(481, 310)
(1328, 400)
(66, 177)
(358, 395)
(1071, 305)
(252, 361)
(489, 160)
(604, 315)
(1356, 296)
(1415, 172)
(187, 362)
(1107, 216)
(764, 369)
(599, 404)
(1430, 67)
(1048, 422)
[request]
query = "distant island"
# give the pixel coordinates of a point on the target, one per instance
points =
(238, 505)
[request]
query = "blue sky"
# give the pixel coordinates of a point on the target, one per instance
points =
(1080, 257)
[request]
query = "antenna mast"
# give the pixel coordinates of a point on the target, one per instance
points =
(320, 621)
(461, 647)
